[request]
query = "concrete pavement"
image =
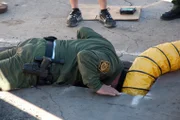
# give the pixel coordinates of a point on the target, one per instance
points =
(39, 18)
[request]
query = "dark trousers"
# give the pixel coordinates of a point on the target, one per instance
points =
(176, 2)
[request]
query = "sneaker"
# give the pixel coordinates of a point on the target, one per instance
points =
(107, 20)
(174, 13)
(74, 18)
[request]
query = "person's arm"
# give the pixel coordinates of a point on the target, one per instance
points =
(107, 90)
(86, 33)
(87, 63)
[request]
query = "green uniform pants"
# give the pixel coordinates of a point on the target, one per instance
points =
(12, 61)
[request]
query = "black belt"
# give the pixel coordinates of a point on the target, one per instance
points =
(49, 46)
(48, 55)
(41, 66)
(49, 50)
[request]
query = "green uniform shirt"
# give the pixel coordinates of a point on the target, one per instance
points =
(91, 55)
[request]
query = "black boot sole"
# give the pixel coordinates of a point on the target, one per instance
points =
(106, 25)
(171, 18)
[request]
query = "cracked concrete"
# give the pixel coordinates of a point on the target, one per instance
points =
(57, 105)
(39, 18)
(130, 3)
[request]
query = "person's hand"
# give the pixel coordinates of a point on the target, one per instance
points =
(107, 90)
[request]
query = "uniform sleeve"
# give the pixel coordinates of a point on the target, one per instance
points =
(86, 33)
(87, 63)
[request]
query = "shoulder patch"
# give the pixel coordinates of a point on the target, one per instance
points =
(104, 66)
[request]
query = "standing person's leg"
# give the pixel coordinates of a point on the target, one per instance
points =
(105, 16)
(74, 3)
(174, 13)
(75, 15)
(102, 4)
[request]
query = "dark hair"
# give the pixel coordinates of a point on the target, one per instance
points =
(121, 80)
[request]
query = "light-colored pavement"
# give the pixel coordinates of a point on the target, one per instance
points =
(39, 18)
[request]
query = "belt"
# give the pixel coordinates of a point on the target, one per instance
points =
(41, 66)
(50, 51)
(49, 46)
(48, 78)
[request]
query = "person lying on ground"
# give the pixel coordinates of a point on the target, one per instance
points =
(90, 61)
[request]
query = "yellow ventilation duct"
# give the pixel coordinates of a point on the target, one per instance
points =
(149, 65)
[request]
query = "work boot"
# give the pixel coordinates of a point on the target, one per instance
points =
(74, 18)
(174, 13)
(106, 19)
(3, 7)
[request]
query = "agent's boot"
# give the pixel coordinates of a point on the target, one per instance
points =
(174, 13)
(106, 19)
(74, 18)
(3, 7)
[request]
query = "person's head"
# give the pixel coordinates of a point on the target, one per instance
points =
(127, 65)
(121, 80)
